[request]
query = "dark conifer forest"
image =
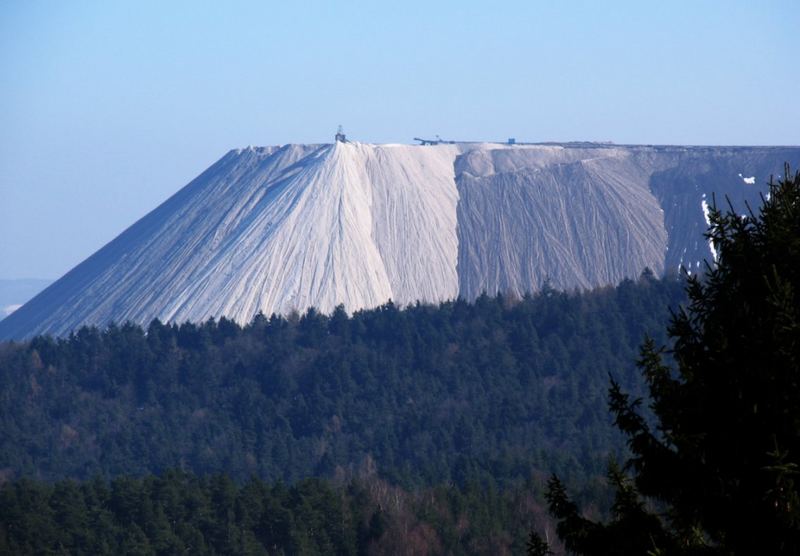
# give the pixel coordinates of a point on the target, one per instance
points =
(713, 465)
(176, 513)
(497, 389)
(457, 413)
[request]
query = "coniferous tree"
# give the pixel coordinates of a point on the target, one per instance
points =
(720, 469)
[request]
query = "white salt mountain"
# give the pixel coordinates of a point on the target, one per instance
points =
(278, 229)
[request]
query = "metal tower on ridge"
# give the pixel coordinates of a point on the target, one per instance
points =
(340, 136)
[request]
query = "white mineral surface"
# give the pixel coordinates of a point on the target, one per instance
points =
(279, 229)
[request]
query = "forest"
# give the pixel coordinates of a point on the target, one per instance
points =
(497, 389)
(437, 424)
(177, 513)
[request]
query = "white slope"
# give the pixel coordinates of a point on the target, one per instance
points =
(414, 219)
(304, 241)
(273, 230)
(348, 225)
(279, 229)
(573, 217)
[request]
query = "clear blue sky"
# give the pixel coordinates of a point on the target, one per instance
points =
(107, 108)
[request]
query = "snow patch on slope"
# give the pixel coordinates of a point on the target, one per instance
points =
(706, 215)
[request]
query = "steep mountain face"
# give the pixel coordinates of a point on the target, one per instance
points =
(279, 229)
(687, 181)
(570, 217)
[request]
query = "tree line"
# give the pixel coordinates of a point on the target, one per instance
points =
(181, 513)
(500, 389)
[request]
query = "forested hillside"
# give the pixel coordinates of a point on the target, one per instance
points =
(501, 388)
(178, 513)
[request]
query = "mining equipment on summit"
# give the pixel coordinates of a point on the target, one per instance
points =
(340, 136)
(436, 141)
(439, 141)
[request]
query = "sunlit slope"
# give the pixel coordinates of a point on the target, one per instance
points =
(272, 230)
(571, 217)
(279, 229)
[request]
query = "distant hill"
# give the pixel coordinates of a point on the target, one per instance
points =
(279, 229)
(14, 293)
